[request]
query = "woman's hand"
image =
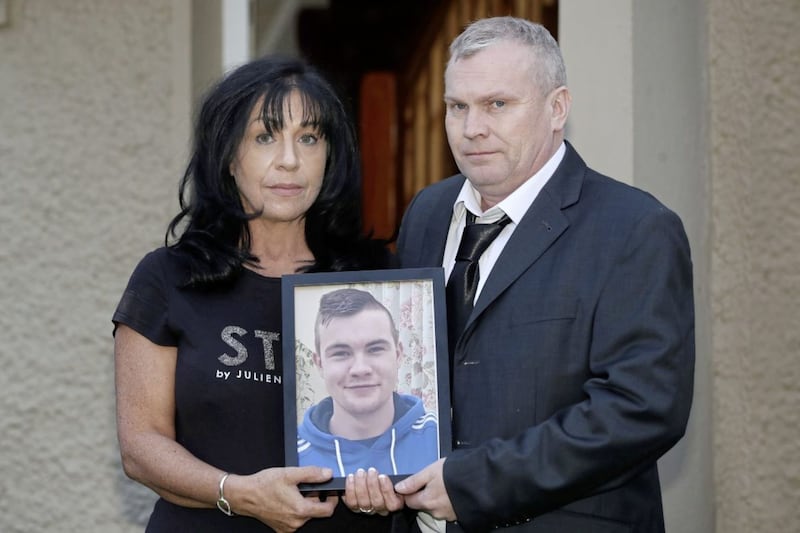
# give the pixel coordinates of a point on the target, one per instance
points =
(369, 493)
(272, 496)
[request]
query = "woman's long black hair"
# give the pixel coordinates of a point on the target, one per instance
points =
(211, 230)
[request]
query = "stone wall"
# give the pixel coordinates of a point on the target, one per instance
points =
(93, 112)
(755, 166)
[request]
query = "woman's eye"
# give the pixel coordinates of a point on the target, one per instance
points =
(308, 138)
(264, 138)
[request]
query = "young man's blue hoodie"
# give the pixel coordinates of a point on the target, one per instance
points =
(405, 448)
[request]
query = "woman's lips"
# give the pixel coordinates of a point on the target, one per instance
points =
(286, 189)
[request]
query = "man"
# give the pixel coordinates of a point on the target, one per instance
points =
(364, 423)
(573, 373)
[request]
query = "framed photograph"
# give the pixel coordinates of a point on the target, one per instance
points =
(366, 372)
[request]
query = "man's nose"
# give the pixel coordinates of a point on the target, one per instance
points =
(360, 365)
(475, 124)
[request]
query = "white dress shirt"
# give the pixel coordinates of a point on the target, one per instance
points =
(515, 205)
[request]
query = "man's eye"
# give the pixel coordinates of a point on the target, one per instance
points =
(457, 107)
(498, 104)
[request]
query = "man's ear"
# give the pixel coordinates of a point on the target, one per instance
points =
(400, 353)
(560, 104)
(317, 360)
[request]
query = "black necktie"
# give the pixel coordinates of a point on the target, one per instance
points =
(463, 282)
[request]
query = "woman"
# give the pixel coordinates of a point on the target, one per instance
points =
(272, 189)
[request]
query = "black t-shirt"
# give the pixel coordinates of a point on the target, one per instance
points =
(228, 380)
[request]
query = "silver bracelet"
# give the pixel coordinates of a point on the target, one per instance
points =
(222, 503)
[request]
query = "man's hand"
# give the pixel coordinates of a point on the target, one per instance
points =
(425, 491)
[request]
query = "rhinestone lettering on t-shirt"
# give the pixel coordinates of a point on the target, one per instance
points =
(231, 336)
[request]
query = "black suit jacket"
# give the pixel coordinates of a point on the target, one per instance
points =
(575, 371)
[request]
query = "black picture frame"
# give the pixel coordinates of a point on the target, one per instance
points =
(416, 300)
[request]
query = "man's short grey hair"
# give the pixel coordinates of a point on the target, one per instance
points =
(548, 63)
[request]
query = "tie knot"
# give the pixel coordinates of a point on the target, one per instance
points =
(477, 237)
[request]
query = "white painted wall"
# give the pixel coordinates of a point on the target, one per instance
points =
(236, 34)
(596, 40)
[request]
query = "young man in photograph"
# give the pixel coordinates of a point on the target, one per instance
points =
(363, 423)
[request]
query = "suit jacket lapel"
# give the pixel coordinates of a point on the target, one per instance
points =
(435, 237)
(541, 226)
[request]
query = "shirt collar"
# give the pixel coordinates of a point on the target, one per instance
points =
(516, 204)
